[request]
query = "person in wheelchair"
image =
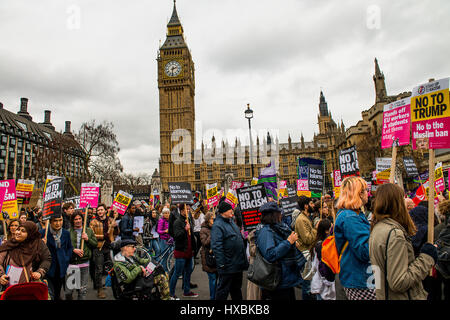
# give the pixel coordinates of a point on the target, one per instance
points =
(132, 270)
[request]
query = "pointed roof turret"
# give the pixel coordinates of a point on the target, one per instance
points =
(323, 105)
(174, 20)
(175, 38)
(378, 72)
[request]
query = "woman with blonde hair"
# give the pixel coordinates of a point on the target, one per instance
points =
(352, 231)
(391, 250)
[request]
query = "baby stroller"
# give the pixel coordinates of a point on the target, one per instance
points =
(26, 291)
(141, 289)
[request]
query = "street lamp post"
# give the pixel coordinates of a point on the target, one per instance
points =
(249, 116)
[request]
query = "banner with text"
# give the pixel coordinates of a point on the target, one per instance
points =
(430, 115)
(122, 201)
(180, 192)
(348, 162)
(89, 195)
(250, 200)
(288, 205)
(10, 199)
(53, 199)
(24, 190)
(410, 167)
(396, 123)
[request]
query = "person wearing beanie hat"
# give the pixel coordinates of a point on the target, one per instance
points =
(276, 242)
(228, 247)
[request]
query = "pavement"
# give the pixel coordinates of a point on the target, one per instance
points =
(200, 278)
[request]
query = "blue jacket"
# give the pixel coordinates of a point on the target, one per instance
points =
(228, 246)
(126, 227)
(271, 242)
(355, 261)
(60, 256)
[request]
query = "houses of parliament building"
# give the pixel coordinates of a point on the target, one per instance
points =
(176, 84)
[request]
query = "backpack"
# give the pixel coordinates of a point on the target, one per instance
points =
(330, 255)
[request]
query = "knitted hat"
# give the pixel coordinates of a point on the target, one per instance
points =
(224, 207)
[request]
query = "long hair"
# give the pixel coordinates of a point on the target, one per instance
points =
(390, 203)
(350, 196)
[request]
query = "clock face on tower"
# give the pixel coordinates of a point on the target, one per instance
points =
(172, 68)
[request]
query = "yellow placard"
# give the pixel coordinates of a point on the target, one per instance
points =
(337, 192)
(24, 187)
(232, 198)
(304, 193)
(433, 105)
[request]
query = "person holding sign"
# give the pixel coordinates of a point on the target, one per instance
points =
(102, 226)
(391, 249)
(228, 247)
(80, 257)
(184, 251)
(126, 225)
(25, 258)
(60, 246)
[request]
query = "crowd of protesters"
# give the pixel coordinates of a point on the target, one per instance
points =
(381, 242)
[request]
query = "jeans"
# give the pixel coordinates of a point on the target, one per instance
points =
(212, 277)
(82, 292)
(182, 267)
(306, 290)
(163, 246)
(100, 257)
(154, 245)
(229, 284)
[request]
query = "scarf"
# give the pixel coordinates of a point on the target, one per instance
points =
(26, 251)
(56, 236)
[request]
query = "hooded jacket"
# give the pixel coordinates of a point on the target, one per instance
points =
(355, 262)
(405, 272)
(271, 241)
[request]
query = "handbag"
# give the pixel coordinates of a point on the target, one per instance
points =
(307, 273)
(210, 259)
(263, 273)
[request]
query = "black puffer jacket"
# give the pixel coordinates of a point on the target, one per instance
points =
(180, 234)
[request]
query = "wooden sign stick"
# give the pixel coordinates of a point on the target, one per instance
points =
(5, 232)
(393, 162)
(431, 199)
(84, 227)
(46, 229)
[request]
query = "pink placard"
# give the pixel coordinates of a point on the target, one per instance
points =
(439, 128)
(302, 185)
(396, 123)
(236, 185)
(337, 178)
(89, 195)
(214, 201)
(2, 197)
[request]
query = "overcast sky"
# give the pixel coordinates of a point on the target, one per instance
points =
(85, 59)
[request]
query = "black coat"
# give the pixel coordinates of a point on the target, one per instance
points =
(228, 246)
(180, 235)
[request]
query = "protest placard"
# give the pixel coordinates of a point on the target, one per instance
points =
(288, 205)
(337, 183)
(180, 192)
(250, 200)
(282, 189)
(291, 190)
(212, 195)
(396, 123)
(410, 167)
(430, 115)
(302, 188)
(89, 195)
(122, 201)
(348, 162)
(53, 199)
(24, 190)
(315, 178)
(75, 200)
(10, 198)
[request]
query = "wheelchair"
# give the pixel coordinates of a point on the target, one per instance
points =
(141, 289)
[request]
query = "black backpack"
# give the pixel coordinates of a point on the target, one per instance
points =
(443, 249)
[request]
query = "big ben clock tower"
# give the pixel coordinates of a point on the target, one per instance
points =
(176, 84)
